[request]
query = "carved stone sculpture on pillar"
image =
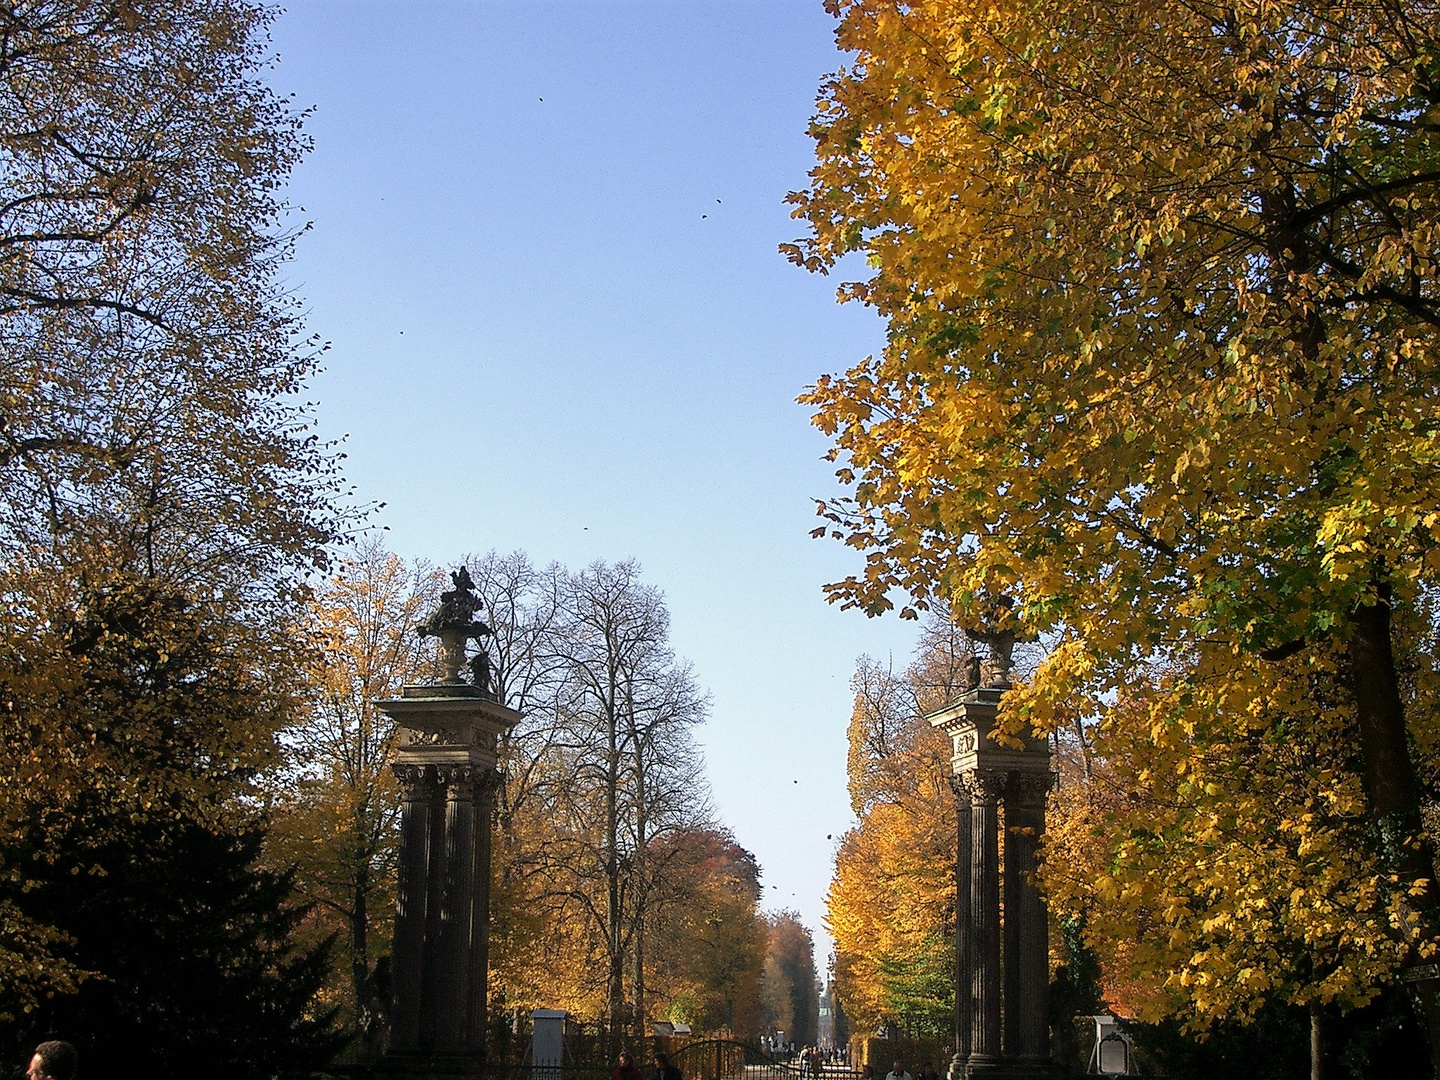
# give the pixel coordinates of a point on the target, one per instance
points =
(446, 765)
(1002, 965)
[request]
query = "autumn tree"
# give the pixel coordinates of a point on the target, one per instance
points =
(603, 821)
(1227, 870)
(792, 987)
(159, 493)
(629, 773)
(161, 496)
(1235, 858)
(709, 937)
(152, 356)
(890, 906)
(1161, 290)
(138, 920)
(585, 658)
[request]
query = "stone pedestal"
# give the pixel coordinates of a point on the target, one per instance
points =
(440, 963)
(1002, 964)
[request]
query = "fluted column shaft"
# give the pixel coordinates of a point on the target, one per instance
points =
(486, 787)
(457, 898)
(407, 960)
(1027, 961)
(964, 932)
(986, 789)
(432, 1007)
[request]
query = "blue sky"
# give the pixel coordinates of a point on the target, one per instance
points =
(544, 251)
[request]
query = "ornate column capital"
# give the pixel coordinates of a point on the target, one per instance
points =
(455, 775)
(487, 785)
(1028, 790)
(986, 786)
(469, 782)
(961, 786)
(415, 780)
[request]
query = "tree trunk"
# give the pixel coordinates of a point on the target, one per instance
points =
(365, 1018)
(1317, 1043)
(1390, 784)
(639, 870)
(360, 942)
(615, 981)
(637, 975)
(1392, 790)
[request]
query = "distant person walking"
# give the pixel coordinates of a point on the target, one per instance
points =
(625, 1068)
(53, 1061)
(897, 1072)
(664, 1070)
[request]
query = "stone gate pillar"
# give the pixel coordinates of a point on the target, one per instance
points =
(1002, 963)
(487, 786)
(446, 764)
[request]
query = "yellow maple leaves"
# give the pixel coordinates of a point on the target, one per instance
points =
(1226, 854)
(1161, 286)
(1052, 387)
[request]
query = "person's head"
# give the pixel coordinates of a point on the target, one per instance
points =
(625, 1059)
(55, 1060)
(898, 1067)
(867, 1072)
(662, 1060)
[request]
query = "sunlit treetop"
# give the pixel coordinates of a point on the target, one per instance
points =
(152, 357)
(1161, 288)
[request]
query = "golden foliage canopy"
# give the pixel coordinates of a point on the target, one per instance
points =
(1161, 287)
(1220, 854)
(152, 359)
